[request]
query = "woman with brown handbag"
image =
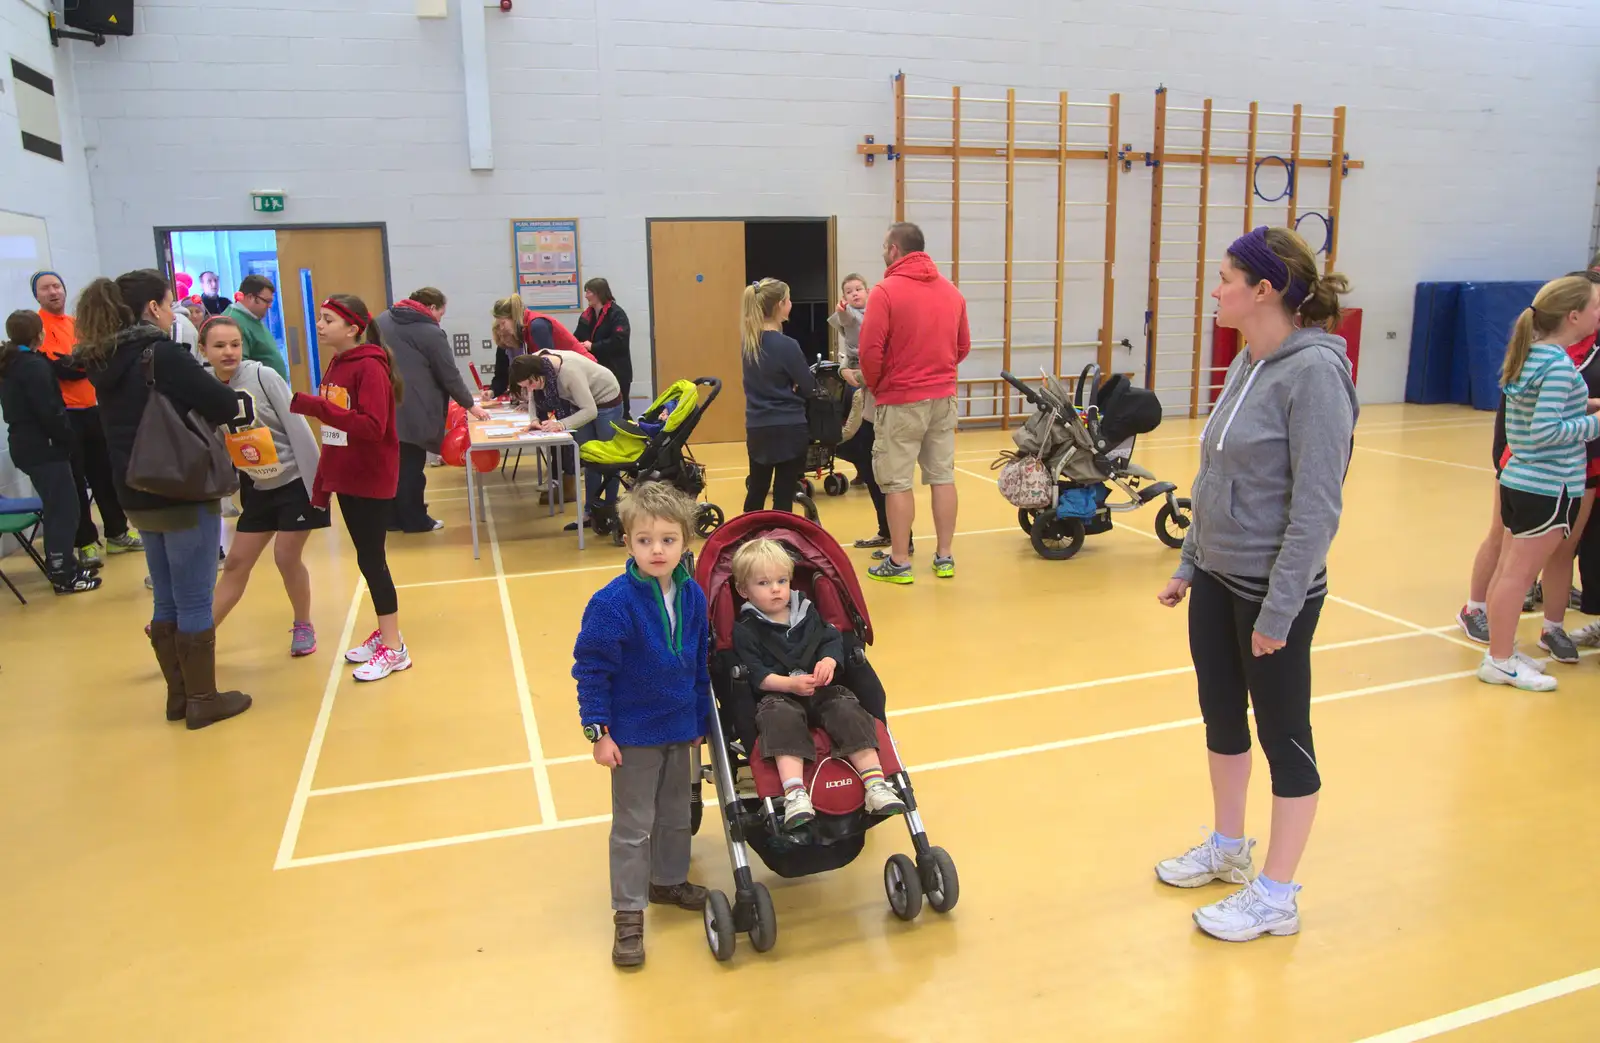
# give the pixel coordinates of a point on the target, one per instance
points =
(125, 343)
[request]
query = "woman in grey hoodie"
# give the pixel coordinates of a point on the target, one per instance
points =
(1267, 500)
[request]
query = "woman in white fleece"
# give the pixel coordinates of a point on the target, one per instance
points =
(1266, 506)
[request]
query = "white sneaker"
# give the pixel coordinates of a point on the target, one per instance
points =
(797, 809)
(384, 662)
(1248, 914)
(883, 800)
(1522, 675)
(1205, 862)
(364, 651)
(1588, 637)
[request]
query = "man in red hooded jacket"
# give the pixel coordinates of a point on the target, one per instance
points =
(913, 338)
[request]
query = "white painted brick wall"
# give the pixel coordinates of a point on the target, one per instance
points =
(1477, 118)
(32, 184)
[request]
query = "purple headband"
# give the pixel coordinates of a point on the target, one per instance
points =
(1252, 249)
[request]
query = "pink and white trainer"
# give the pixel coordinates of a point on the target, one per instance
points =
(384, 662)
(365, 650)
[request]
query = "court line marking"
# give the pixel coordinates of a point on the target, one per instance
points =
(319, 732)
(1488, 1009)
(1425, 459)
(412, 780)
(996, 755)
(519, 673)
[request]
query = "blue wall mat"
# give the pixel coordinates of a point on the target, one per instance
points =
(1458, 340)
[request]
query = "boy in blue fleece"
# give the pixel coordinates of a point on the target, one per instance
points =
(644, 695)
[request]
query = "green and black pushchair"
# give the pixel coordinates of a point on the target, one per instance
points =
(654, 447)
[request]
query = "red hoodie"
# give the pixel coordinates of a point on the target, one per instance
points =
(914, 334)
(360, 446)
(562, 337)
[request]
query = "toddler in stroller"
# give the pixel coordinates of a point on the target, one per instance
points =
(791, 656)
(750, 789)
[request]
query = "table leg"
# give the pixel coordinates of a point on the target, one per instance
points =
(472, 509)
(581, 494)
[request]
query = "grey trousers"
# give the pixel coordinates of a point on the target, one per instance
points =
(649, 822)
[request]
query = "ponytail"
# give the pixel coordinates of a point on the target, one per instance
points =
(370, 335)
(24, 329)
(106, 308)
(760, 303)
(1551, 305)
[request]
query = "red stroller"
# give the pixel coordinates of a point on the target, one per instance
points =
(748, 788)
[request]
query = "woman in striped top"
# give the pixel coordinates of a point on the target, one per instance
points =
(1549, 417)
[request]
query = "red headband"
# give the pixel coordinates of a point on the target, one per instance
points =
(213, 319)
(360, 322)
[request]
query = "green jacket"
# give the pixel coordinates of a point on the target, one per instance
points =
(258, 343)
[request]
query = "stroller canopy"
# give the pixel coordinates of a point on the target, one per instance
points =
(629, 439)
(822, 572)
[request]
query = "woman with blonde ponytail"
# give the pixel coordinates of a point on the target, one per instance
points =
(1549, 417)
(776, 384)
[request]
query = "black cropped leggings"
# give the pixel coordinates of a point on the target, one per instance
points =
(368, 523)
(1232, 680)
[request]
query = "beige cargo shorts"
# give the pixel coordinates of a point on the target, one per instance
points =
(905, 436)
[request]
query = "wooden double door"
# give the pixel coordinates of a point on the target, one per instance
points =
(314, 263)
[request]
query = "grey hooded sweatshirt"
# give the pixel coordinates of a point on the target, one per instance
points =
(1273, 458)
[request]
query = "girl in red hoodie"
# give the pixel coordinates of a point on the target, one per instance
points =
(361, 462)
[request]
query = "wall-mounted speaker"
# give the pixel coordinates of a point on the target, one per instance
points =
(107, 17)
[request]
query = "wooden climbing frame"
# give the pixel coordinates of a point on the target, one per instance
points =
(1242, 140)
(963, 138)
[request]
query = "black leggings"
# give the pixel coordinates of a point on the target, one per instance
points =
(91, 470)
(1231, 680)
(368, 521)
(782, 480)
(858, 450)
(54, 483)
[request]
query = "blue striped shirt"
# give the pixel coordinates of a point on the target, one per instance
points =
(1547, 422)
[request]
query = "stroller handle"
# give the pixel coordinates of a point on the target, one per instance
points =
(1027, 392)
(714, 383)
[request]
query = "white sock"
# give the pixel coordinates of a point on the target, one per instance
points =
(1549, 626)
(789, 784)
(1477, 606)
(1232, 845)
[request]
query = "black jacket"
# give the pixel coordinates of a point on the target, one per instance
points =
(422, 352)
(122, 393)
(609, 341)
(765, 648)
(35, 414)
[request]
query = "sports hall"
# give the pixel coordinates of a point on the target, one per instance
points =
(425, 858)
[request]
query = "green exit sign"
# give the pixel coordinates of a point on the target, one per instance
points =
(267, 202)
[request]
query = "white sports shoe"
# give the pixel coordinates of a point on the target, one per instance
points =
(1248, 914)
(797, 809)
(384, 662)
(1205, 862)
(1588, 637)
(364, 651)
(883, 800)
(1523, 675)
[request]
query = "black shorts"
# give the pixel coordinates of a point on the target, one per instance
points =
(284, 509)
(1527, 515)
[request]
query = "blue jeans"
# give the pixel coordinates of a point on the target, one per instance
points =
(183, 572)
(599, 430)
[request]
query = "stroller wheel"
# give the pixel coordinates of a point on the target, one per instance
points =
(1171, 525)
(697, 813)
(1025, 519)
(601, 518)
(939, 880)
(764, 929)
(903, 886)
(719, 926)
(1056, 539)
(809, 506)
(708, 518)
(836, 484)
(808, 487)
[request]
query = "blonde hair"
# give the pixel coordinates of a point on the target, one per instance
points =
(511, 308)
(1551, 305)
(761, 300)
(760, 558)
(854, 277)
(656, 500)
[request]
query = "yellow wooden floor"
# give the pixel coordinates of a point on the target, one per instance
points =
(425, 858)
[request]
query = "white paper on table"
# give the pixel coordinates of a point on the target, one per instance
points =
(499, 432)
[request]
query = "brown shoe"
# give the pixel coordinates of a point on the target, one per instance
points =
(628, 949)
(164, 639)
(197, 655)
(684, 895)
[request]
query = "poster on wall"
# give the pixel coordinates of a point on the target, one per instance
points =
(545, 256)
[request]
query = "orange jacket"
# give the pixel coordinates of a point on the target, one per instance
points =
(60, 337)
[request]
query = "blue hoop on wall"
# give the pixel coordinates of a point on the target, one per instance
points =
(1327, 229)
(1288, 187)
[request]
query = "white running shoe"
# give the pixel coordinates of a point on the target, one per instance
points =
(365, 650)
(1205, 862)
(384, 662)
(1522, 675)
(1588, 637)
(883, 800)
(797, 809)
(1248, 914)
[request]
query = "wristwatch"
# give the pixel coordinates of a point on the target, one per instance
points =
(595, 732)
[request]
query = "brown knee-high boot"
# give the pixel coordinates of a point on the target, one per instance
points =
(164, 639)
(205, 705)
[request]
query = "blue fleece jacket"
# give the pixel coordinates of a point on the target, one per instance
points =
(644, 678)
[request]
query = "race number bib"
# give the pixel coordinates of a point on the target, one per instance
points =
(340, 397)
(254, 453)
(334, 436)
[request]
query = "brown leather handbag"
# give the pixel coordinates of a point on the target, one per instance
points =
(176, 455)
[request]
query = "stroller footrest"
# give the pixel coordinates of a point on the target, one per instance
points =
(1151, 492)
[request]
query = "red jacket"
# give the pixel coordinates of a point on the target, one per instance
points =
(564, 340)
(357, 400)
(914, 334)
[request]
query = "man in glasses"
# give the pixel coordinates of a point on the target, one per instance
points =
(251, 304)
